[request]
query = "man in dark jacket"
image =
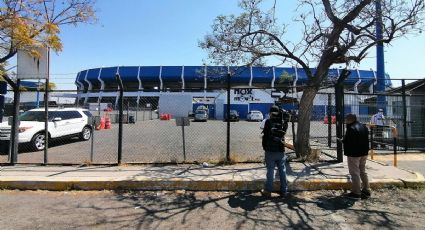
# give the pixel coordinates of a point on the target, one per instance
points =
(356, 148)
(273, 144)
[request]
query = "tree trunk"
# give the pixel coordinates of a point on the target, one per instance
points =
(302, 146)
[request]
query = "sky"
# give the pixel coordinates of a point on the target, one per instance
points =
(166, 32)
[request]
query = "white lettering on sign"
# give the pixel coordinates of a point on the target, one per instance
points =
(243, 91)
(244, 95)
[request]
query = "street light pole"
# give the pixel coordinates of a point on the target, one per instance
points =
(380, 60)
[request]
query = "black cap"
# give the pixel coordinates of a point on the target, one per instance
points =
(274, 110)
(350, 118)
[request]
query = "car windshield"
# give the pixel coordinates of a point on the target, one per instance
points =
(233, 112)
(201, 112)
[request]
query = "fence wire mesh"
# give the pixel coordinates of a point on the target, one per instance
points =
(151, 136)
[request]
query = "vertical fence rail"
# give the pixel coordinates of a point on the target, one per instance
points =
(405, 140)
(329, 114)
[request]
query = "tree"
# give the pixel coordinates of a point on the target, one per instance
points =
(25, 24)
(332, 32)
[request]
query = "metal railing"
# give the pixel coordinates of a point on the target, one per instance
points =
(377, 139)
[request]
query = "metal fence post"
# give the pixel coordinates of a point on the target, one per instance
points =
(371, 143)
(14, 144)
(120, 116)
(128, 111)
(329, 120)
(184, 144)
(46, 123)
(46, 113)
(294, 136)
(339, 104)
(339, 120)
(403, 90)
(395, 151)
(92, 143)
(228, 119)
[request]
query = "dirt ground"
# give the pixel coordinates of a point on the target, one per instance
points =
(388, 209)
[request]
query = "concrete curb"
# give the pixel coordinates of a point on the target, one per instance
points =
(419, 182)
(206, 185)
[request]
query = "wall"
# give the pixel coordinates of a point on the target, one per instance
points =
(243, 100)
(176, 104)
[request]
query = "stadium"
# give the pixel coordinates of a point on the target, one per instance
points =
(179, 90)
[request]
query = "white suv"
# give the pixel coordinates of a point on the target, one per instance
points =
(254, 115)
(68, 122)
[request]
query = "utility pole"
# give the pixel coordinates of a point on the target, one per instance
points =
(380, 60)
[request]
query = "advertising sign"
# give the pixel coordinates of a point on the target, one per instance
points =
(30, 67)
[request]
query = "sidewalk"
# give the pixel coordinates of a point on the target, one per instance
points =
(301, 176)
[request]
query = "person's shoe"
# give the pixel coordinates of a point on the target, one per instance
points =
(353, 196)
(284, 194)
(365, 194)
(266, 193)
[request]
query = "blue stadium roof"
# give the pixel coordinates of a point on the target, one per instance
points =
(214, 74)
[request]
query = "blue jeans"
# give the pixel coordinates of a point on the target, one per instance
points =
(273, 159)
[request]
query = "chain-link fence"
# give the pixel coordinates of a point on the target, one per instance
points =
(151, 133)
(407, 117)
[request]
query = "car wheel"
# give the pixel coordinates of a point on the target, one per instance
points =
(38, 141)
(85, 134)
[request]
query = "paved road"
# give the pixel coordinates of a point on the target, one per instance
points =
(161, 141)
(388, 209)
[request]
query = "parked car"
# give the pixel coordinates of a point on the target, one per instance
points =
(62, 123)
(201, 115)
(234, 116)
(255, 115)
(191, 114)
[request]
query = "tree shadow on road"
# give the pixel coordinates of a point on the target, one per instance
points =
(240, 210)
(335, 203)
(245, 200)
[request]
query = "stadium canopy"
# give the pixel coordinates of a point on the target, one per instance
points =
(186, 77)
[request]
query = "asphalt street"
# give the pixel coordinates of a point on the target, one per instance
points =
(386, 209)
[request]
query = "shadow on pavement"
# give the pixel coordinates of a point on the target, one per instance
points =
(246, 201)
(335, 203)
(227, 210)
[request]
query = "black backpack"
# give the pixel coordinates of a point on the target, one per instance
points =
(275, 130)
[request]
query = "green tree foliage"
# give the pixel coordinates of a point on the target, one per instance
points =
(25, 24)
